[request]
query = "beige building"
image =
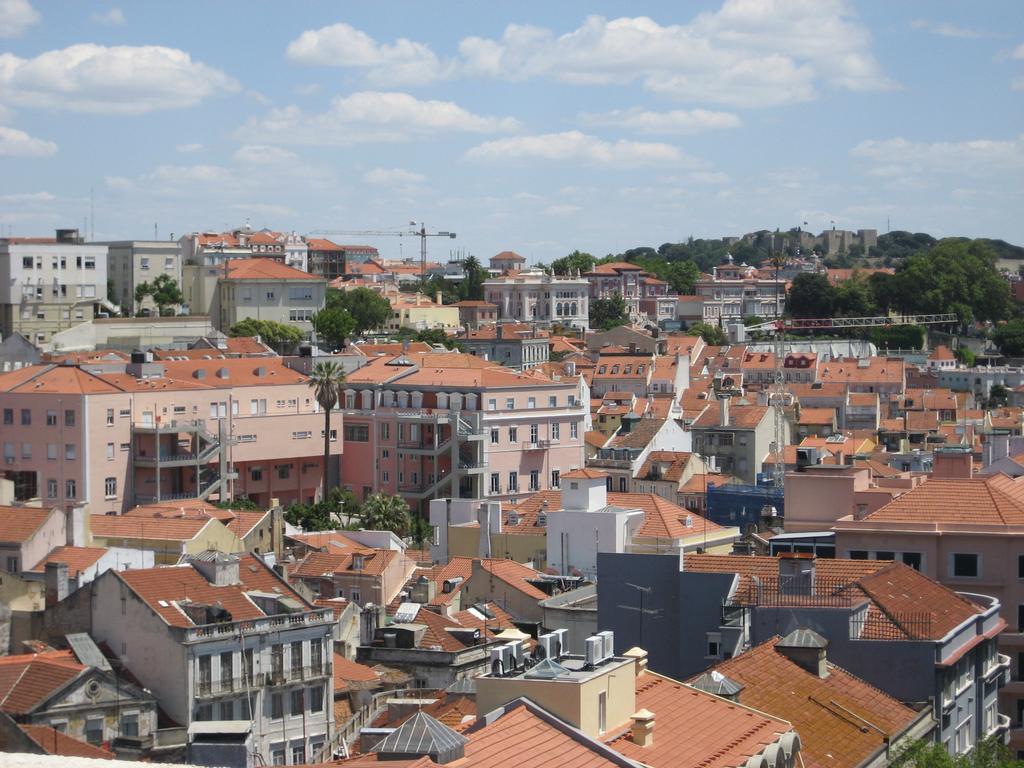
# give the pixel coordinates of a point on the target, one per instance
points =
(737, 437)
(421, 313)
(168, 535)
(27, 534)
(133, 262)
(50, 284)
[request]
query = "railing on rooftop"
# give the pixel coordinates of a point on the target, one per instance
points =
(278, 622)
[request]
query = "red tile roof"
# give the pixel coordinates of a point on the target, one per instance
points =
(27, 680)
(819, 708)
(350, 674)
(150, 527)
(53, 742)
(584, 474)
(693, 728)
(266, 269)
(18, 524)
(990, 500)
(508, 256)
(77, 559)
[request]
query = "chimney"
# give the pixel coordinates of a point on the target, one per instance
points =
(369, 621)
(437, 298)
(56, 580)
(796, 573)
(806, 648)
(952, 463)
(723, 413)
(639, 656)
(642, 729)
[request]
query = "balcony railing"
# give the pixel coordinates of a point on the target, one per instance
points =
(223, 687)
(536, 445)
(269, 624)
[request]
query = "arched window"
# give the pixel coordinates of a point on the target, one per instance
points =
(558, 309)
(574, 313)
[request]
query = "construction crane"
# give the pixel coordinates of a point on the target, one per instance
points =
(778, 395)
(421, 233)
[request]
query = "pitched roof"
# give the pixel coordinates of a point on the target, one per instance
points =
(508, 256)
(695, 728)
(165, 589)
(152, 527)
(942, 352)
(674, 462)
(53, 742)
(27, 680)
(77, 559)
(18, 524)
(584, 473)
(819, 708)
(989, 500)
(326, 564)
(266, 269)
(349, 674)
(740, 416)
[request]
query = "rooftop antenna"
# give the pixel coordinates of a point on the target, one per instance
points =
(92, 215)
(156, 231)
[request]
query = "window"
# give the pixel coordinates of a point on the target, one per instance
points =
(316, 655)
(492, 405)
(69, 451)
(94, 730)
(69, 489)
(913, 559)
(110, 488)
(574, 430)
(110, 417)
(51, 451)
(531, 403)
(1020, 566)
(513, 482)
(284, 471)
(26, 450)
(494, 436)
(26, 417)
(356, 596)
(258, 407)
(12, 565)
(298, 748)
(1020, 618)
(296, 654)
(885, 555)
(110, 451)
(495, 483)
(226, 710)
(553, 401)
(965, 566)
(555, 478)
(513, 434)
(51, 419)
(556, 430)
(51, 488)
(69, 418)
(26, 262)
(256, 474)
(714, 648)
(276, 707)
(534, 480)
(316, 698)
(533, 434)
(858, 554)
(205, 672)
(602, 711)
(510, 403)
(357, 433)
(227, 672)
(130, 725)
(8, 415)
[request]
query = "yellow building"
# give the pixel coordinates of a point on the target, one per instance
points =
(167, 534)
(421, 313)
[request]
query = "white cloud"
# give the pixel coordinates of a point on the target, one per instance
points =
(749, 52)
(15, 17)
(403, 62)
(263, 154)
(118, 79)
(901, 159)
(387, 177)
(1018, 52)
(15, 143)
(708, 177)
(945, 29)
(28, 197)
(370, 116)
(561, 209)
(575, 146)
(112, 18)
(678, 121)
(189, 148)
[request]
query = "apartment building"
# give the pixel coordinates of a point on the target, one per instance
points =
(618, 278)
(737, 436)
(224, 638)
(733, 293)
(50, 284)
(213, 248)
(133, 262)
(420, 312)
(965, 532)
(331, 261)
(262, 289)
(918, 641)
(534, 296)
(114, 434)
(657, 300)
(434, 425)
(514, 345)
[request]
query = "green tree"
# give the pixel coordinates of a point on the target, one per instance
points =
(268, 330)
(1009, 338)
(382, 512)
(606, 314)
(326, 381)
(142, 290)
(577, 260)
(853, 297)
(311, 517)
(988, 753)
(471, 288)
(811, 295)
(711, 334)
(965, 356)
(367, 308)
(333, 325)
(166, 293)
(897, 337)
(437, 336)
(997, 396)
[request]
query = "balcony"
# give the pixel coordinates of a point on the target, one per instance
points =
(999, 668)
(257, 626)
(1001, 730)
(177, 459)
(536, 445)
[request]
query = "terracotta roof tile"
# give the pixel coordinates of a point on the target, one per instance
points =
(53, 742)
(818, 707)
(27, 680)
(672, 465)
(266, 269)
(77, 559)
(18, 524)
(350, 674)
(990, 500)
(151, 527)
(584, 474)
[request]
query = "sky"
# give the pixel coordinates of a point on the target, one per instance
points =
(534, 127)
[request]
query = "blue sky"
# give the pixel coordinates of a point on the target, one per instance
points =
(537, 127)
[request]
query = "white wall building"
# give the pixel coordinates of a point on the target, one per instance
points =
(133, 262)
(533, 296)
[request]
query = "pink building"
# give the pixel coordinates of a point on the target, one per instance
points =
(821, 494)
(116, 434)
(966, 533)
(452, 425)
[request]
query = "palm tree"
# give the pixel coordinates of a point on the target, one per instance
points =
(386, 513)
(326, 381)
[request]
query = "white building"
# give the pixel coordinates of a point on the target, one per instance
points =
(734, 293)
(50, 284)
(225, 640)
(296, 252)
(534, 296)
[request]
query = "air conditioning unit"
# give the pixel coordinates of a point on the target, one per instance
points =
(608, 638)
(501, 660)
(547, 647)
(516, 647)
(594, 650)
(561, 643)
